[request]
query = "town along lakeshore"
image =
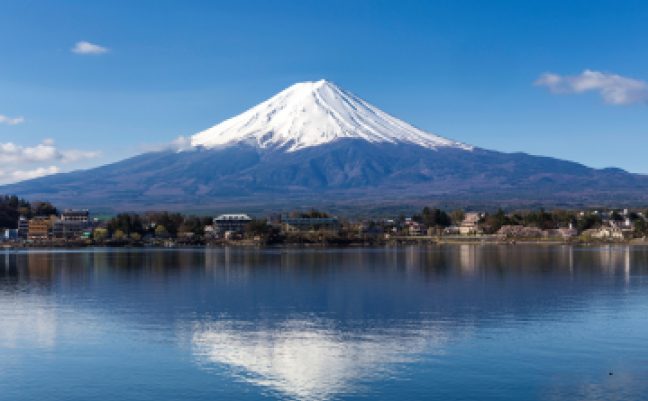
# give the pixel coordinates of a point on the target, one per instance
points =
(40, 224)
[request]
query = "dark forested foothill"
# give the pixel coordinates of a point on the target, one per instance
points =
(12, 207)
(8, 215)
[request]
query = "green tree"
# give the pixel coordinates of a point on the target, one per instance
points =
(9, 215)
(540, 219)
(616, 216)
(13, 201)
(457, 216)
(257, 227)
(46, 209)
(495, 221)
(589, 221)
(435, 217)
(160, 231)
(100, 233)
(119, 234)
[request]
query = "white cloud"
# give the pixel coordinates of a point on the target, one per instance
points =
(88, 48)
(13, 175)
(179, 144)
(70, 156)
(46, 151)
(11, 121)
(614, 89)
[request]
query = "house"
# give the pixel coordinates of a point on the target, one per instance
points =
(232, 235)
(23, 227)
(626, 223)
(39, 227)
(611, 232)
(470, 223)
(209, 232)
(72, 223)
(234, 223)
(10, 234)
(417, 229)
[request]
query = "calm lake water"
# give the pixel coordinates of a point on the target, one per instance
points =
(465, 322)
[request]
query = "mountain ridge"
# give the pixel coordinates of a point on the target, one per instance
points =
(305, 143)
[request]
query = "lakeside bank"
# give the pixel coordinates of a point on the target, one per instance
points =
(302, 243)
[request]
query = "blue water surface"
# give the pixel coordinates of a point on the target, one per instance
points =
(468, 322)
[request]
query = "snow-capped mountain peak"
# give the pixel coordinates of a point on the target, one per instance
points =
(315, 113)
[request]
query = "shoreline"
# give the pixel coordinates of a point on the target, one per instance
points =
(313, 245)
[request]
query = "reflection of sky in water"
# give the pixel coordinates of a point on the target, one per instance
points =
(465, 322)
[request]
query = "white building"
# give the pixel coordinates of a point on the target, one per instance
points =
(469, 225)
(71, 224)
(611, 232)
(234, 223)
(75, 215)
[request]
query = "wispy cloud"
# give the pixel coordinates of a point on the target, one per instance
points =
(11, 121)
(8, 175)
(179, 144)
(89, 48)
(614, 89)
(45, 152)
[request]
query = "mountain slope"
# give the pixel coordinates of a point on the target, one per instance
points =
(316, 141)
(344, 169)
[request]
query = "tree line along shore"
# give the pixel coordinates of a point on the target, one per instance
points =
(37, 224)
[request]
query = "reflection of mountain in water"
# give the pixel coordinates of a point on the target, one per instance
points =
(38, 324)
(311, 360)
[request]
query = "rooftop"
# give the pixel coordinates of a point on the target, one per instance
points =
(233, 217)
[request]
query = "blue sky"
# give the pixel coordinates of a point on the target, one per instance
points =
(461, 69)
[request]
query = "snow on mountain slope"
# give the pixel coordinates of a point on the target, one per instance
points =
(314, 113)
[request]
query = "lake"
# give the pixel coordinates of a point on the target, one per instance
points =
(465, 322)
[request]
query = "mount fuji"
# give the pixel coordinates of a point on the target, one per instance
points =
(312, 114)
(318, 142)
